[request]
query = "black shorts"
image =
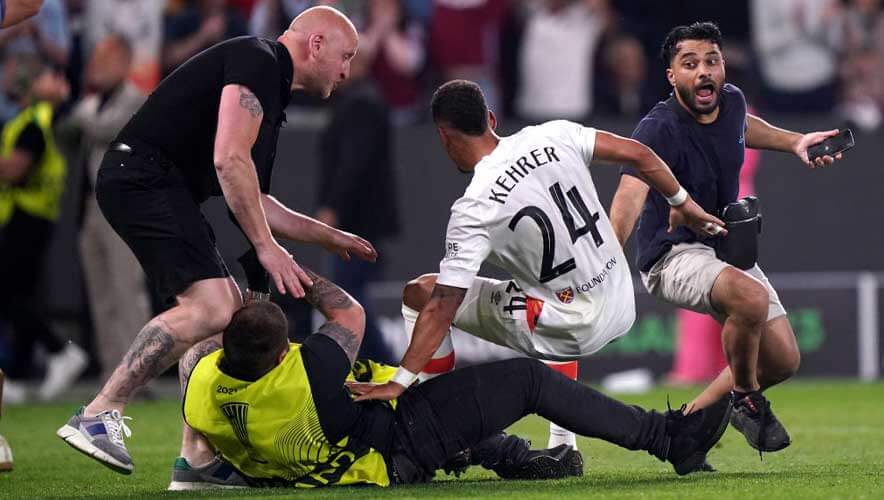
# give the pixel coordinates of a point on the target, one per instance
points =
(148, 203)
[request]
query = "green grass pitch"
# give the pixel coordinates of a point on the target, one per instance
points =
(837, 431)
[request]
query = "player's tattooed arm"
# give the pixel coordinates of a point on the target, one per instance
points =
(192, 357)
(250, 102)
(448, 294)
(346, 319)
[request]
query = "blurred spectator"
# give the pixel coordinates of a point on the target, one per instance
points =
(797, 43)
(32, 173)
(357, 185)
(557, 59)
(862, 73)
(622, 83)
(462, 41)
(272, 17)
(196, 27)
(244, 7)
(140, 22)
(45, 36)
(399, 55)
(114, 281)
(16, 11)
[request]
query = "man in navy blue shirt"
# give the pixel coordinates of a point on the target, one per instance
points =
(701, 132)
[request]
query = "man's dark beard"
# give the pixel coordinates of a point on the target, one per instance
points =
(688, 98)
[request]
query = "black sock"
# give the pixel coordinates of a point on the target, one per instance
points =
(738, 395)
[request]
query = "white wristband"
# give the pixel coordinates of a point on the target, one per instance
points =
(404, 377)
(678, 198)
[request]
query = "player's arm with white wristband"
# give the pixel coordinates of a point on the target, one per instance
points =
(653, 170)
(431, 327)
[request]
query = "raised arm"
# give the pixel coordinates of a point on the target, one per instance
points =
(620, 150)
(239, 120)
(763, 135)
(345, 318)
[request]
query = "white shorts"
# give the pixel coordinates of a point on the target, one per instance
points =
(685, 275)
(499, 312)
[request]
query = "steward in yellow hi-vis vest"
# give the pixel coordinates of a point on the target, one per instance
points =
(270, 428)
(274, 430)
(39, 191)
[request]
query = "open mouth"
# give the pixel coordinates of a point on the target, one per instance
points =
(705, 93)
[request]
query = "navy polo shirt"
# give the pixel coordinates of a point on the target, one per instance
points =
(706, 160)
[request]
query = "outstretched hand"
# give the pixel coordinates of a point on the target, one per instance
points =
(367, 391)
(812, 139)
(693, 216)
(344, 244)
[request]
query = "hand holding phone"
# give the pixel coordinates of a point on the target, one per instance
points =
(831, 146)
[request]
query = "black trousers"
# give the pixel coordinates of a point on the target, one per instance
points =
(24, 241)
(436, 420)
(456, 411)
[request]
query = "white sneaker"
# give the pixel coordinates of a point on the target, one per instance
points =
(14, 393)
(62, 370)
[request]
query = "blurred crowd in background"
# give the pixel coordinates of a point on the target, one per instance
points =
(88, 64)
(536, 59)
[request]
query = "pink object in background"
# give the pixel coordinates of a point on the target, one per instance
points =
(699, 356)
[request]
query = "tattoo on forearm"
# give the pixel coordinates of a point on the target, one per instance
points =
(248, 101)
(192, 357)
(345, 338)
(445, 292)
(325, 295)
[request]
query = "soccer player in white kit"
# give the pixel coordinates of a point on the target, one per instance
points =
(532, 210)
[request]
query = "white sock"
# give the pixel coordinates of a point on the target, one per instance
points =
(443, 358)
(559, 435)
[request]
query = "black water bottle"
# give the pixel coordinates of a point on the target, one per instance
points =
(742, 219)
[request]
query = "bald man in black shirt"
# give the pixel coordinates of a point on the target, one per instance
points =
(209, 129)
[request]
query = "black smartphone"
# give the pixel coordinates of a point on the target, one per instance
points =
(832, 146)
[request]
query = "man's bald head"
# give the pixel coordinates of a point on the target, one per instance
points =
(322, 19)
(321, 41)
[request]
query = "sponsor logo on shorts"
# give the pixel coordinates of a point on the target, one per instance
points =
(566, 295)
(495, 297)
(451, 249)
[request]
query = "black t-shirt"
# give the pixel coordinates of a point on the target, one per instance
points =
(706, 160)
(181, 116)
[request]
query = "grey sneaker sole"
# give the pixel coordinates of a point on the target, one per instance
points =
(695, 461)
(193, 486)
(77, 441)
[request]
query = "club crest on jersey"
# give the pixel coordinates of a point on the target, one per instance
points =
(566, 295)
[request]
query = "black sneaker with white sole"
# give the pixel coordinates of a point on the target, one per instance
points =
(753, 417)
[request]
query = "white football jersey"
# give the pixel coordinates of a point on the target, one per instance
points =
(532, 209)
